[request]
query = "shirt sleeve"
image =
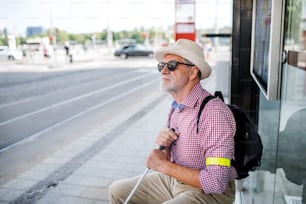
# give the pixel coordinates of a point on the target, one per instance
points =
(217, 130)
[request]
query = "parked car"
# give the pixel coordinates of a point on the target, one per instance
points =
(133, 50)
(7, 54)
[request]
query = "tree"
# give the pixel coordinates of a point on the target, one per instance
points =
(293, 20)
(62, 36)
(79, 38)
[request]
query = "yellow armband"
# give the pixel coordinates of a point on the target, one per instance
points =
(218, 161)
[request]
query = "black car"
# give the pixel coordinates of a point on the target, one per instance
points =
(133, 50)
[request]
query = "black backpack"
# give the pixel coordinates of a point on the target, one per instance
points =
(248, 144)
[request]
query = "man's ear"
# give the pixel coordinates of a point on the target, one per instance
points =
(194, 72)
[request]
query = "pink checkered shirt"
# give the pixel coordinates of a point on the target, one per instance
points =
(215, 138)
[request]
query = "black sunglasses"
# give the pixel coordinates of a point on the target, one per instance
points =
(171, 65)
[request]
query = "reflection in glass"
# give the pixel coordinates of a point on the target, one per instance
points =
(282, 178)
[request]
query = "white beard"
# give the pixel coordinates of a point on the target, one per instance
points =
(169, 85)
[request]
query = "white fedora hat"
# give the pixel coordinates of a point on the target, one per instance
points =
(189, 50)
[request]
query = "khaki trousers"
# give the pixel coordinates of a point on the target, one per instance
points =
(157, 188)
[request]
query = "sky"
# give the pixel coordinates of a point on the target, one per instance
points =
(86, 16)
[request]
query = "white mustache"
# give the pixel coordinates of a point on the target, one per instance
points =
(166, 77)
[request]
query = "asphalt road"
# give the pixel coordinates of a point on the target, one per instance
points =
(41, 112)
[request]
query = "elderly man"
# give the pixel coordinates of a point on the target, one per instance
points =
(184, 171)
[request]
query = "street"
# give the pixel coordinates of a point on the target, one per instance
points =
(44, 111)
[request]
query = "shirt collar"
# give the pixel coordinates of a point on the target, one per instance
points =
(191, 99)
(175, 105)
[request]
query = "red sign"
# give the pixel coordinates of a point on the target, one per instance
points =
(185, 19)
(185, 30)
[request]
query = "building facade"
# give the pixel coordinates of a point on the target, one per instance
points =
(34, 30)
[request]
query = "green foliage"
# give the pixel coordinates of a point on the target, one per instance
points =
(63, 36)
(102, 35)
(3, 41)
(293, 19)
(138, 35)
(79, 38)
(20, 40)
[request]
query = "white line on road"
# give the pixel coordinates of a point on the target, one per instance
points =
(72, 100)
(77, 115)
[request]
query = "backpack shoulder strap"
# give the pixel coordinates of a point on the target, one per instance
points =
(219, 95)
(204, 102)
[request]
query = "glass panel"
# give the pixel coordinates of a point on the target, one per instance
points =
(291, 154)
(282, 175)
(261, 184)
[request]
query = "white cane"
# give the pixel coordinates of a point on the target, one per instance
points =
(139, 181)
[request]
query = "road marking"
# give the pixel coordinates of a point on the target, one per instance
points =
(72, 100)
(79, 114)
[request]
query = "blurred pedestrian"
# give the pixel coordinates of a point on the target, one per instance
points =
(45, 52)
(69, 57)
(67, 47)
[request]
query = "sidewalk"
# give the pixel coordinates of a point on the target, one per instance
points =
(82, 171)
(44, 65)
